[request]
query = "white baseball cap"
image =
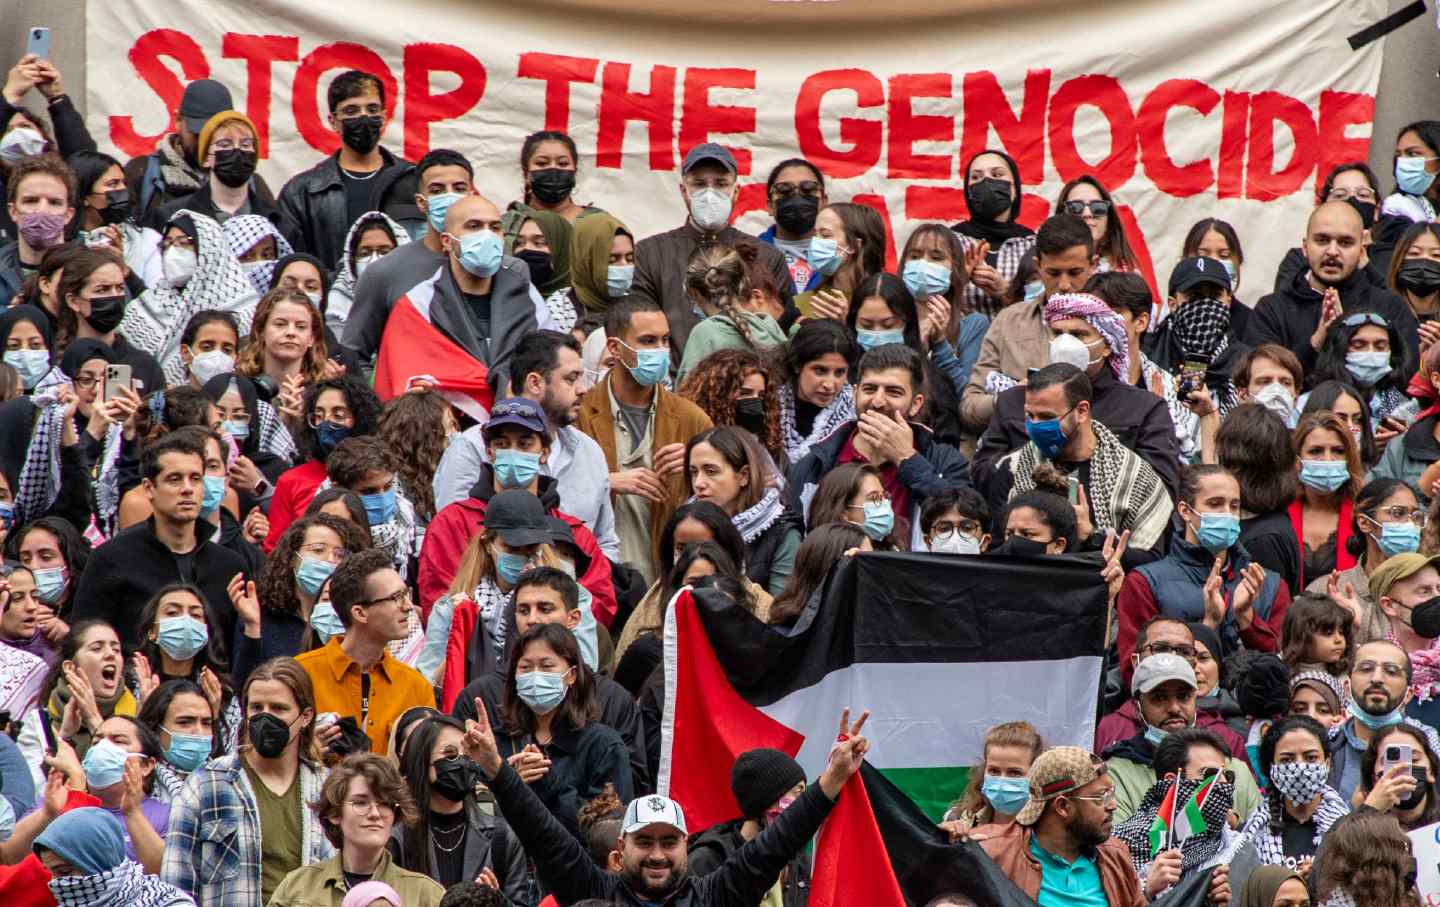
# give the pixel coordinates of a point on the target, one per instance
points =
(653, 810)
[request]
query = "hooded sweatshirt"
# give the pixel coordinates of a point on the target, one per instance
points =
(1290, 316)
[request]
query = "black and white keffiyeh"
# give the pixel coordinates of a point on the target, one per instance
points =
(107, 480)
(1200, 327)
(275, 438)
(755, 520)
(126, 884)
(840, 411)
(155, 321)
(1196, 850)
(243, 233)
(342, 292)
(181, 177)
(1268, 844)
(40, 476)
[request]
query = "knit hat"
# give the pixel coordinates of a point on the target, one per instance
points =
(1263, 691)
(89, 838)
(761, 777)
(202, 148)
(1057, 771)
(367, 893)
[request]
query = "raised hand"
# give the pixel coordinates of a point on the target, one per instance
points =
(669, 460)
(1164, 872)
(213, 693)
(244, 475)
(83, 695)
(1113, 549)
(1084, 526)
(1242, 603)
(479, 741)
(937, 319)
(247, 604)
(1343, 592)
(1215, 606)
(830, 304)
(257, 526)
(975, 257)
(145, 677)
(846, 756)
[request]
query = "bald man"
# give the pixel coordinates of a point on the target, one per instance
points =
(1332, 287)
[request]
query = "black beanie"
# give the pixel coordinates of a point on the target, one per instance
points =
(1263, 690)
(761, 777)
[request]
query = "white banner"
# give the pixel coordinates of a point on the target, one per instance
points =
(1227, 108)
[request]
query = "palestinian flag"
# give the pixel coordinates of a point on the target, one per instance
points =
(1172, 828)
(413, 346)
(939, 648)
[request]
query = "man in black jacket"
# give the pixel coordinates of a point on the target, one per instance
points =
(173, 546)
(652, 841)
(326, 199)
(1299, 317)
(912, 464)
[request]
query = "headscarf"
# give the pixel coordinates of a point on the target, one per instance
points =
(88, 838)
(154, 321)
(559, 236)
(244, 233)
(590, 259)
(1263, 883)
(345, 271)
(1211, 640)
(1327, 686)
(82, 351)
(366, 893)
(992, 231)
(17, 421)
(33, 314)
(1100, 317)
(269, 444)
(288, 260)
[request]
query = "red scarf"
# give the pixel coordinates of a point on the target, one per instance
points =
(1421, 389)
(1344, 560)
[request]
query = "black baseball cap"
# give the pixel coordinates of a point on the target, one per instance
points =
(1191, 272)
(709, 151)
(519, 411)
(203, 99)
(518, 517)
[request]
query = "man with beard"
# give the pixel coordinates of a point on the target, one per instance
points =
(545, 368)
(652, 840)
(1066, 854)
(1299, 316)
(1380, 678)
(1164, 688)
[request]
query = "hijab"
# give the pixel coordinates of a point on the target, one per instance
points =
(558, 237)
(33, 314)
(1260, 887)
(590, 259)
(993, 231)
(244, 233)
(325, 278)
(269, 445)
(82, 351)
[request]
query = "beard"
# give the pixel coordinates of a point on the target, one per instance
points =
(559, 417)
(634, 875)
(1090, 834)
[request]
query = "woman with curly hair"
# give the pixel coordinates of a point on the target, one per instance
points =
(1366, 859)
(734, 387)
(417, 428)
(287, 338)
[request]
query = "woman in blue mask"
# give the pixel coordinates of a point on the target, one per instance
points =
(853, 493)
(1387, 520)
(279, 614)
(1330, 474)
(1349, 406)
(27, 343)
(999, 785)
(1365, 350)
(179, 714)
(265, 446)
(177, 646)
(545, 729)
(933, 264)
(56, 554)
(1417, 166)
(848, 246)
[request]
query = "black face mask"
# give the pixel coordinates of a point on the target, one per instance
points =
(235, 166)
(268, 734)
(988, 199)
(796, 213)
(455, 778)
(542, 267)
(552, 185)
(1020, 545)
(106, 313)
(1417, 796)
(361, 134)
(750, 415)
(1420, 276)
(1367, 211)
(1425, 618)
(117, 206)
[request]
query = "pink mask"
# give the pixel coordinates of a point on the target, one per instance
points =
(774, 812)
(41, 229)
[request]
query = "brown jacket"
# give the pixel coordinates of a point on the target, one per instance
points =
(1011, 852)
(677, 420)
(1018, 339)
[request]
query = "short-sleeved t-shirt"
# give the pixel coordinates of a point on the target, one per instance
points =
(280, 817)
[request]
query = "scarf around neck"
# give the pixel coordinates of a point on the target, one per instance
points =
(840, 411)
(755, 520)
(126, 884)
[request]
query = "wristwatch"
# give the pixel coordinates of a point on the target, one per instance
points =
(262, 488)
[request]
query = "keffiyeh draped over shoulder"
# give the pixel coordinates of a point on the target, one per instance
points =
(155, 321)
(243, 233)
(126, 885)
(1099, 316)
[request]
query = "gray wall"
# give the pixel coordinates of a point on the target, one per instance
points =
(1409, 89)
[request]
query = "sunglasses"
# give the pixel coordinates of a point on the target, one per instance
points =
(1098, 208)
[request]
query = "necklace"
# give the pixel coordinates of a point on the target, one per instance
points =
(459, 838)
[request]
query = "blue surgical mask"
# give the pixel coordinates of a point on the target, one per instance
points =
(618, 279)
(214, 494)
(516, 468)
(1398, 538)
(325, 622)
(183, 636)
(510, 566)
(7, 515)
(1375, 722)
(1218, 531)
(868, 340)
(437, 206)
(380, 506)
(1034, 290)
(479, 253)
(824, 256)
(312, 574)
(1006, 795)
(542, 691)
(651, 365)
(1155, 735)
(31, 364)
(925, 278)
(1229, 269)
(1411, 176)
(1324, 475)
(1367, 368)
(104, 765)
(188, 752)
(1048, 436)
(329, 434)
(879, 520)
(237, 430)
(50, 583)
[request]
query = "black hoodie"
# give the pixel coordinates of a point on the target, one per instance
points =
(1290, 316)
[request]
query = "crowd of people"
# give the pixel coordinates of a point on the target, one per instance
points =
(275, 632)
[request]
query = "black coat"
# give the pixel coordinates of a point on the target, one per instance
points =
(125, 572)
(565, 866)
(1289, 317)
(314, 201)
(712, 847)
(201, 202)
(760, 554)
(489, 844)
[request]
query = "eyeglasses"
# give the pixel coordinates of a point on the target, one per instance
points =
(1098, 208)
(877, 498)
(177, 242)
(365, 805)
(338, 414)
(944, 529)
(322, 550)
(1340, 194)
(1389, 668)
(1106, 799)
(1360, 318)
(1227, 774)
(86, 381)
(785, 190)
(399, 597)
(1164, 648)
(1399, 513)
(231, 145)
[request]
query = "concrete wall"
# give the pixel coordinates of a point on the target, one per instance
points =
(66, 21)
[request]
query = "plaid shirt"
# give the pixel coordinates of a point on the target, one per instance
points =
(212, 850)
(1007, 263)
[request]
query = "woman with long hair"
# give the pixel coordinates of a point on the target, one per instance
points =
(999, 785)
(820, 551)
(817, 396)
(1300, 806)
(1365, 350)
(735, 387)
(855, 493)
(417, 427)
(1087, 198)
(287, 341)
(1414, 276)
(177, 645)
(1365, 859)
(180, 715)
(1330, 475)
(718, 283)
(1254, 445)
(87, 683)
(1404, 789)
(848, 246)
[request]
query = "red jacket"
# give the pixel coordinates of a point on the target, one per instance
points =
(454, 525)
(1124, 723)
(293, 493)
